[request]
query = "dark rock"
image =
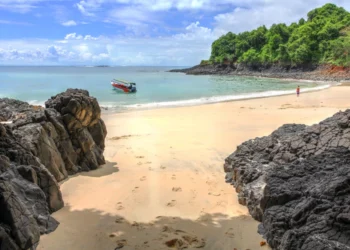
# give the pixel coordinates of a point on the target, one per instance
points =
(13, 149)
(41, 147)
(308, 72)
(6, 242)
(297, 183)
(81, 117)
(23, 208)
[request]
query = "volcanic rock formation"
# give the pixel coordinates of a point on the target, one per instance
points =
(296, 181)
(38, 148)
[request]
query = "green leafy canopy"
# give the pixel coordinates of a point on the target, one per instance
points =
(324, 38)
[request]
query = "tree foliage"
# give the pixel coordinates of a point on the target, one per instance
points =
(323, 38)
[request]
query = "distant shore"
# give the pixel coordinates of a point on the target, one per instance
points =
(313, 72)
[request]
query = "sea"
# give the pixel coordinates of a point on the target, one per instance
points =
(156, 87)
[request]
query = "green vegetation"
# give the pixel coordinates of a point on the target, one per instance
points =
(324, 38)
(205, 62)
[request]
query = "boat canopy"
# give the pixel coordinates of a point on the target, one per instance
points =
(124, 82)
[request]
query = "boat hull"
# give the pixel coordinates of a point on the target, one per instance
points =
(123, 88)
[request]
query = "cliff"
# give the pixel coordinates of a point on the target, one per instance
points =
(38, 148)
(296, 182)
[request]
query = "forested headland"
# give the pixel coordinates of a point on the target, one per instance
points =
(322, 42)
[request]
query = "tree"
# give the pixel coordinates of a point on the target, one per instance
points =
(322, 38)
(250, 57)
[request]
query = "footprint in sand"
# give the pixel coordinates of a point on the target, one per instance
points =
(177, 189)
(230, 233)
(120, 207)
(171, 204)
(138, 226)
(119, 220)
(135, 189)
(184, 240)
(214, 194)
(120, 244)
(149, 162)
(162, 167)
(204, 217)
(167, 229)
(173, 177)
(140, 157)
(212, 183)
(194, 196)
(221, 203)
(143, 178)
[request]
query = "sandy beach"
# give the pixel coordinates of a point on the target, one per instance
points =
(164, 177)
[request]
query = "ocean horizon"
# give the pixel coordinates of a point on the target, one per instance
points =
(156, 87)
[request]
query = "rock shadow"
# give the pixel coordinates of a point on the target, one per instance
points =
(92, 229)
(104, 170)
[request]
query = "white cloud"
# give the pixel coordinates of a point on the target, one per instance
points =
(134, 19)
(129, 16)
(141, 16)
(184, 48)
(14, 22)
(90, 7)
(45, 54)
(86, 7)
(181, 49)
(69, 23)
(20, 6)
(254, 13)
(73, 36)
(194, 31)
(89, 37)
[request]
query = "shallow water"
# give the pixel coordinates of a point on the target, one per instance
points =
(155, 86)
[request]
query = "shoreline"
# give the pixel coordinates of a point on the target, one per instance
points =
(162, 162)
(108, 110)
(109, 107)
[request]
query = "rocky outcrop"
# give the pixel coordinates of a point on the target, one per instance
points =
(307, 72)
(296, 182)
(81, 116)
(41, 147)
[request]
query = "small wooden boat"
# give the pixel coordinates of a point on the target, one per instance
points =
(125, 86)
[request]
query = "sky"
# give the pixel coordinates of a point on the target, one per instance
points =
(132, 32)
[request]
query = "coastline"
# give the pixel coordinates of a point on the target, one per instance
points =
(218, 99)
(324, 73)
(161, 162)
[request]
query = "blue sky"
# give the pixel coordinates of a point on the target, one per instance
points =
(131, 32)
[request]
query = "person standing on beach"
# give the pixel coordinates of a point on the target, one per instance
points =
(298, 91)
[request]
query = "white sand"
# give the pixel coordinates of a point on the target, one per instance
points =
(170, 173)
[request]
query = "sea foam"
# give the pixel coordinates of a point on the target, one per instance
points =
(217, 99)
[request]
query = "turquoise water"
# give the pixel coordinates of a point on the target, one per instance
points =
(155, 86)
